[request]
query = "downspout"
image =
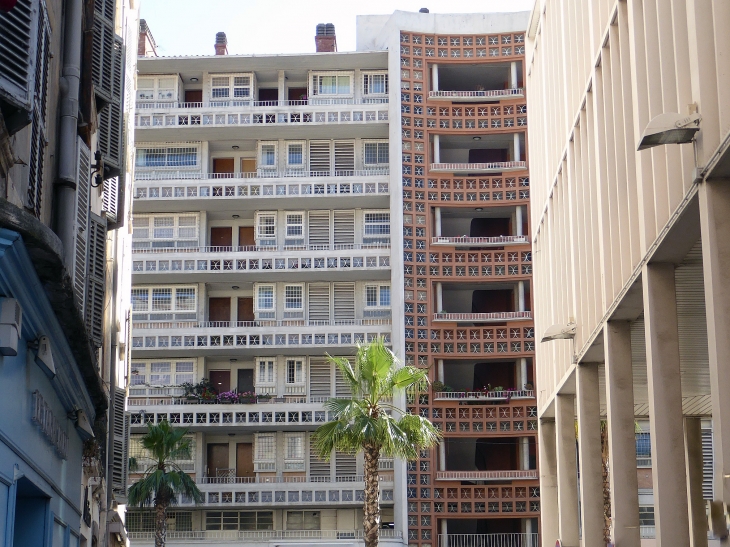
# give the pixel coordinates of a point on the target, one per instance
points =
(113, 356)
(69, 104)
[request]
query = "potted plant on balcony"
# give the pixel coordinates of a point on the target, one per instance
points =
(438, 387)
(208, 395)
(263, 397)
(247, 397)
(189, 392)
(228, 397)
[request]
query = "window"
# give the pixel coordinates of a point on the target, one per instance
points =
(238, 520)
(375, 84)
(295, 225)
(295, 155)
(293, 451)
(144, 521)
(164, 231)
(161, 299)
(164, 303)
(294, 371)
(162, 88)
(266, 228)
(377, 227)
(331, 84)
(376, 153)
(294, 297)
(646, 515)
(140, 299)
(266, 372)
(267, 155)
(231, 86)
(172, 156)
(144, 459)
(185, 299)
(265, 297)
(643, 449)
(265, 452)
(302, 520)
(377, 296)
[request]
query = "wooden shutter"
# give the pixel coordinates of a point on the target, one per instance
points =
(81, 228)
(319, 158)
(345, 157)
(95, 280)
(345, 465)
(344, 303)
(120, 444)
(344, 227)
(105, 10)
(110, 198)
(318, 303)
(17, 31)
(102, 62)
(320, 378)
(317, 467)
(319, 228)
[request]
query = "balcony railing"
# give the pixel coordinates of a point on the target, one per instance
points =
(289, 479)
(493, 167)
(647, 532)
(466, 241)
(477, 96)
(483, 317)
(215, 536)
(482, 395)
(237, 103)
(488, 540)
(266, 174)
(486, 475)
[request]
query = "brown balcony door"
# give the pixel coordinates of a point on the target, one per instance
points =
(219, 309)
(245, 236)
(222, 238)
(296, 93)
(194, 96)
(221, 380)
(245, 380)
(269, 94)
(224, 167)
(244, 460)
(487, 155)
(248, 165)
(217, 458)
(245, 309)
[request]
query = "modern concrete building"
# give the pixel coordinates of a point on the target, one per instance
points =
(64, 279)
(631, 268)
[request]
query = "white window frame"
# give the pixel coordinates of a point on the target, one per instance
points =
(156, 89)
(173, 301)
(260, 155)
(314, 83)
(300, 286)
(269, 371)
(263, 459)
(259, 235)
(303, 526)
(146, 172)
(297, 166)
(366, 85)
(376, 142)
(287, 224)
(377, 237)
(144, 235)
(257, 307)
(292, 461)
(144, 370)
(378, 287)
(293, 362)
(231, 99)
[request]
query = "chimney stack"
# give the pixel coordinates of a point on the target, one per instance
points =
(221, 44)
(325, 39)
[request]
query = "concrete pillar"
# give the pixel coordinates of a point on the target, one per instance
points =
(523, 373)
(439, 297)
(437, 220)
(695, 501)
(513, 75)
(524, 453)
(665, 405)
(714, 197)
(517, 151)
(621, 438)
(528, 533)
(567, 470)
(434, 77)
(444, 539)
(518, 220)
(521, 295)
(589, 455)
(548, 483)
(282, 87)
(440, 370)
(436, 149)
(442, 455)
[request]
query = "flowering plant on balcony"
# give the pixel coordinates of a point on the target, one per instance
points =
(247, 397)
(228, 397)
(208, 395)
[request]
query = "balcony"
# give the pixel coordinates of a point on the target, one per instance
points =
(489, 540)
(163, 190)
(479, 168)
(261, 263)
(480, 96)
(478, 154)
(482, 303)
(468, 241)
(264, 337)
(486, 227)
(476, 83)
(530, 474)
(482, 396)
(264, 537)
(495, 317)
(515, 418)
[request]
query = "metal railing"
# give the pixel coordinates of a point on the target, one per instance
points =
(261, 248)
(483, 167)
(165, 174)
(238, 103)
(488, 540)
(647, 532)
(476, 94)
(165, 325)
(483, 395)
(466, 240)
(483, 317)
(485, 475)
(264, 535)
(288, 480)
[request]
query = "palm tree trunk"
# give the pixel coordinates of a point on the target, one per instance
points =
(371, 517)
(160, 523)
(606, 484)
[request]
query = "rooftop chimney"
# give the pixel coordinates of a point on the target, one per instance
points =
(325, 39)
(221, 44)
(146, 46)
(423, 10)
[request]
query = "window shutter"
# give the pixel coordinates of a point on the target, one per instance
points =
(708, 473)
(17, 33)
(317, 467)
(345, 465)
(120, 444)
(95, 281)
(342, 387)
(111, 118)
(110, 199)
(318, 305)
(104, 9)
(81, 229)
(344, 303)
(320, 378)
(344, 224)
(102, 58)
(319, 228)
(344, 157)
(319, 158)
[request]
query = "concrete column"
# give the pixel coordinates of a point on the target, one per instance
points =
(518, 152)
(282, 87)
(524, 453)
(665, 405)
(521, 295)
(528, 533)
(523, 373)
(434, 77)
(440, 370)
(518, 220)
(444, 539)
(442, 455)
(548, 483)
(621, 438)
(589, 455)
(437, 220)
(439, 297)
(513, 75)
(693, 457)
(567, 470)
(436, 149)
(715, 225)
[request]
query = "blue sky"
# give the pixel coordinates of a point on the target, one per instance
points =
(187, 27)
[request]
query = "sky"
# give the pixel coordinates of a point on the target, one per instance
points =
(188, 27)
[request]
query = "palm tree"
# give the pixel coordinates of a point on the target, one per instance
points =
(369, 422)
(163, 481)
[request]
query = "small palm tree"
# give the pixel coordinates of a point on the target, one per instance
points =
(369, 422)
(163, 481)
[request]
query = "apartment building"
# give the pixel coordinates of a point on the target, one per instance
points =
(64, 183)
(630, 246)
(460, 162)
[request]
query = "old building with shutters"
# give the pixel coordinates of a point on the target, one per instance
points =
(64, 179)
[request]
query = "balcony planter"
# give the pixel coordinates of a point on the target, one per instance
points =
(265, 398)
(247, 400)
(192, 399)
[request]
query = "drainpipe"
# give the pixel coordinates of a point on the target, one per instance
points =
(113, 356)
(69, 90)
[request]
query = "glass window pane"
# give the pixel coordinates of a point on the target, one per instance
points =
(266, 298)
(293, 297)
(296, 154)
(140, 299)
(268, 154)
(385, 295)
(161, 299)
(185, 299)
(343, 85)
(371, 296)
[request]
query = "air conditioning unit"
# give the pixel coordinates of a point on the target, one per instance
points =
(11, 320)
